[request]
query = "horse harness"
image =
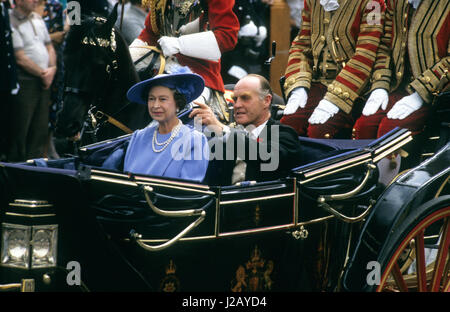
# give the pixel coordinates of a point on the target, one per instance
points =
(95, 115)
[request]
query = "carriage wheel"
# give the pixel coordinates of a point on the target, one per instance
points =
(408, 269)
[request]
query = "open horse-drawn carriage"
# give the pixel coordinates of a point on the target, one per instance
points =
(327, 226)
(70, 225)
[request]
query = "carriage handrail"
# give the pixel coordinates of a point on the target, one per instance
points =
(166, 213)
(370, 168)
(26, 285)
(138, 237)
(322, 199)
(183, 213)
(343, 217)
(12, 286)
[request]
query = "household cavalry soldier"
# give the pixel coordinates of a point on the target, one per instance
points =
(411, 70)
(330, 63)
(192, 33)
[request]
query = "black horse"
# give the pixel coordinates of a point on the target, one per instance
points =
(98, 73)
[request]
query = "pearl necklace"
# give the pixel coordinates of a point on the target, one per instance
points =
(166, 143)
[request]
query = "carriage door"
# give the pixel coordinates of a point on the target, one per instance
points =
(255, 248)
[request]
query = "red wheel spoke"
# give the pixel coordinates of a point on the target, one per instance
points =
(441, 258)
(420, 262)
(439, 278)
(447, 276)
(447, 288)
(447, 279)
(399, 278)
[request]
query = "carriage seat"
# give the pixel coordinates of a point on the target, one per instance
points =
(314, 152)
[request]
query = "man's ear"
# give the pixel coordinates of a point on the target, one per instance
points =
(268, 100)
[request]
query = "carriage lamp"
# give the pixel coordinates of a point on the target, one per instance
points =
(29, 235)
(29, 246)
(15, 245)
(43, 246)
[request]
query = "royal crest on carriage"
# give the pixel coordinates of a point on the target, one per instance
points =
(255, 275)
(170, 282)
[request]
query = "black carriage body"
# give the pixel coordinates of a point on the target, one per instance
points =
(98, 211)
(79, 238)
(240, 224)
(408, 199)
(130, 232)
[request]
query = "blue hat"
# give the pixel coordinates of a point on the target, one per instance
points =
(189, 84)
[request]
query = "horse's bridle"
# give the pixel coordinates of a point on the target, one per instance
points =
(94, 115)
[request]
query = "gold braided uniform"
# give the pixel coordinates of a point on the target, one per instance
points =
(336, 50)
(414, 57)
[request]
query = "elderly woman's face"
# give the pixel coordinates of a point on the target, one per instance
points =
(161, 104)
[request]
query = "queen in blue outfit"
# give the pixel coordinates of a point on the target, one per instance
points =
(169, 149)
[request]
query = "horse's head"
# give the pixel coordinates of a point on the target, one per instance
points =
(94, 67)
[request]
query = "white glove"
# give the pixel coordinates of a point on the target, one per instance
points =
(261, 36)
(248, 30)
(202, 45)
(298, 98)
(237, 71)
(324, 111)
(378, 98)
(405, 107)
(15, 91)
(169, 45)
(191, 27)
(329, 5)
